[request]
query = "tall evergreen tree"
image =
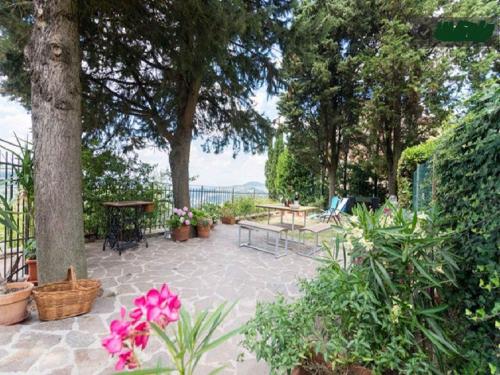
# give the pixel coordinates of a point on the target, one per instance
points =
(404, 82)
(275, 148)
(54, 62)
(171, 71)
(322, 102)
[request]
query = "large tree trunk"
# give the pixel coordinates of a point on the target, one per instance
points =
(56, 116)
(332, 180)
(180, 144)
(180, 148)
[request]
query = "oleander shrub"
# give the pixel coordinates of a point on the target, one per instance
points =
(383, 311)
(467, 173)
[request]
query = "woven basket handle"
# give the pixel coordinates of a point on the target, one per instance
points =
(72, 277)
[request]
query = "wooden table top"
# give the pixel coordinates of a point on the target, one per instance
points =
(126, 203)
(284, 208)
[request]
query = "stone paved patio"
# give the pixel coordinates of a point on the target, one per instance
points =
(203, 272)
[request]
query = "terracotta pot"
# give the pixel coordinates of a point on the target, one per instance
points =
(203, 231)
(319, 360)
(351, 370)
(13, 305)
(32, 271)
(149, 208)
(228, 220)
(181, 233)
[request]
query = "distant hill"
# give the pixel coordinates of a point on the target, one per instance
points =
(249, 187)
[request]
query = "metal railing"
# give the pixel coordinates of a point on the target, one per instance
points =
(199, 196)
(12, 241)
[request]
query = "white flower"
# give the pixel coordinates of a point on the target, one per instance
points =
(395, 312)
(368, 245)
(356, 233)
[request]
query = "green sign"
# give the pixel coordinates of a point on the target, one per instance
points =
(463, 31)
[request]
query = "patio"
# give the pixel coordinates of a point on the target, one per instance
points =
(204, 272)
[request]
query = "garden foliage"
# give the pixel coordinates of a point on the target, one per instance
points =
(109, 176)
(384, 311)
(467, 173)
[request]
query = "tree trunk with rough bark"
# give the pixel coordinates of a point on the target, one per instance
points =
(180, 143)
(54, 59)
(180, 148)
(332, 180)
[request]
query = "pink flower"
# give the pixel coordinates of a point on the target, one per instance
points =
(158, 306)
(187, 222)
(141, 335)
(126, 359)
(185, 209)
(120, 330)
(113, 344)
(190, 214)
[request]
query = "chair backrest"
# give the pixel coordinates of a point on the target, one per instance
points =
(334, 203)
(342, 207)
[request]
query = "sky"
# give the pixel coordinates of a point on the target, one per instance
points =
(210, 169)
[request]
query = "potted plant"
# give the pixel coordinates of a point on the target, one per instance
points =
(228, 214)
(213, 211)
(203, 225)
(180, 224)
(14, 297)
(30, 256)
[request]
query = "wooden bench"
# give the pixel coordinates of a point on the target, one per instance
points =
(316, 229)
(276, 230)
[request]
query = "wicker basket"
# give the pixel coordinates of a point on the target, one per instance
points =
(65, 299)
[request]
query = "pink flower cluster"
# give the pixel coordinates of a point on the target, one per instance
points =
(184, 215)
(156, 306)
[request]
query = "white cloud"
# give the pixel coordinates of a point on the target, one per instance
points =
(212, 169)
(13, 120)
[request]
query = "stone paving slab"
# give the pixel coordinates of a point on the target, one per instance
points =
(204, 272)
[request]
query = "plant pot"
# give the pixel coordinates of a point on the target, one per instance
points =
(203, 231)
(13, 306)
(32, 271)
(231, 220)
(181, 233)
(149, 208)
(317, 359)
(351, 370)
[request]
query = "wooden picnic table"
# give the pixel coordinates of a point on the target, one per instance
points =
(282, 208)
(117, 223)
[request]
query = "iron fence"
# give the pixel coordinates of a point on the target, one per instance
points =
(199, 195)
(12, 241)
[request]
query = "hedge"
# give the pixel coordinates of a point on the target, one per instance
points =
(467, 176)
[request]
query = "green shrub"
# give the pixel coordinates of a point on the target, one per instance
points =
(228, 209)
(467, 173)
(410, 158)
(212, 210)
(244, 206)
(108, 176)
(383, 312)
